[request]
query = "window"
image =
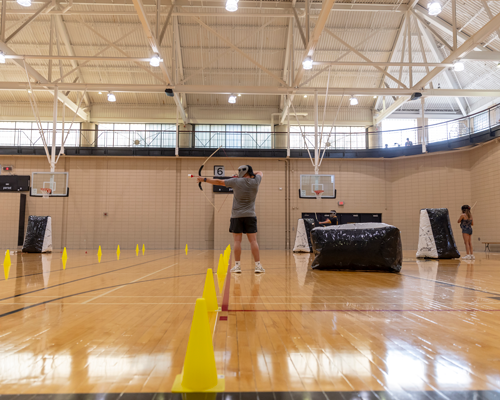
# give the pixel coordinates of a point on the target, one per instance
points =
(340, 137)
(395, 131)
(233, 136)
(136, 135)
(29, 134)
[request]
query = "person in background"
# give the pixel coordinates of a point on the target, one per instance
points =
(386, 146)
(331, 220)
(466, 223)
(408, 142)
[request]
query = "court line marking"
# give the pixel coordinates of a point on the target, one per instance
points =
(450, 284)
(451, 310)
(112, 290)
(90, 291)
(62, 269)
(87, 277)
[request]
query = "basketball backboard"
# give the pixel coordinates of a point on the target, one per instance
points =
(57, 182)
(311, 184)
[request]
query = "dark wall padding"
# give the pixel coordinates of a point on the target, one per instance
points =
(359, 247)
(436, 236)
(38, 235)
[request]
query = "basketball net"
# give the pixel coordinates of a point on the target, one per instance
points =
(46, 192)
(318, 194)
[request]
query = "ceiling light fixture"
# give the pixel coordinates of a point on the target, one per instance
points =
(29, 91)
(232, 99)
(374, 97)
(307, 63)
(239, 94)
(24, 3)
(353, 101)
(305, 96)
(155, 60)
(232, 5)
(100, 92)
(2, 57)
(459, 66)
(111, 97)
(434, 8)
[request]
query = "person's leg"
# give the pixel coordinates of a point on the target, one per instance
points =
(252, 238)
(470, 245)
(237, 246)
(466, 242)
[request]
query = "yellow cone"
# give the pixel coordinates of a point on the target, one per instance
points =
(186, 249)
(143, 249)
(118, 253)
(64, 258)
(99, 252)
(6, 264)
(99, 258)
(220, 281)
(209, 293)
(199, 373)
(137, 250)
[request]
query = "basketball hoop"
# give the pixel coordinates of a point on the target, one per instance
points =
(46, 192)
(318, 194)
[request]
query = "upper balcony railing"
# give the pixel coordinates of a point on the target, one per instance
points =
(261, 138)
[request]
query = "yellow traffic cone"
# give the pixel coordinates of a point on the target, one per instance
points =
(118, 253)
(99, 252)
(199, 373)
(137, 251)
(64, 258)
(209, 293)
(143, 249)
(186, 249)
(6, 264)
(220, 281)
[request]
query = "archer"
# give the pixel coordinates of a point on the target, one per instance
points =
(243, 218)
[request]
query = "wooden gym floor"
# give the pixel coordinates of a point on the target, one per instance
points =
(432, 331)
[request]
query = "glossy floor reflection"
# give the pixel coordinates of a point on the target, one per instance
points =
(122, 327)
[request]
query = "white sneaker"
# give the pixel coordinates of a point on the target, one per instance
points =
(472, 257)
(467, 257)
(259, 269)
(236, 269)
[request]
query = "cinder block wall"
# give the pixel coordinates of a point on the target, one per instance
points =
(152, 201)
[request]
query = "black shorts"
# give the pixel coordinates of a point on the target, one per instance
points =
(243, 225)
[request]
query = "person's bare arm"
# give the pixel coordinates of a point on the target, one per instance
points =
(215, 182)
(259, 173)
(461, 218)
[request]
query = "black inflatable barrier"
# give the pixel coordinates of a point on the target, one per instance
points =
(436, 238)
(38, 237)
(358, 247)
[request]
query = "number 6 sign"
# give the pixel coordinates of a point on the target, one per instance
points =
(219, 170)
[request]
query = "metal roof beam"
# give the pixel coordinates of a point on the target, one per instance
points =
(63, 31)
(139, 8)
(368, 61)
(228, 42)
(326, 7)
(250, 90)
(274, 5)
(438, 55)
(464, 49)
(39, 78)
(444, 26)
